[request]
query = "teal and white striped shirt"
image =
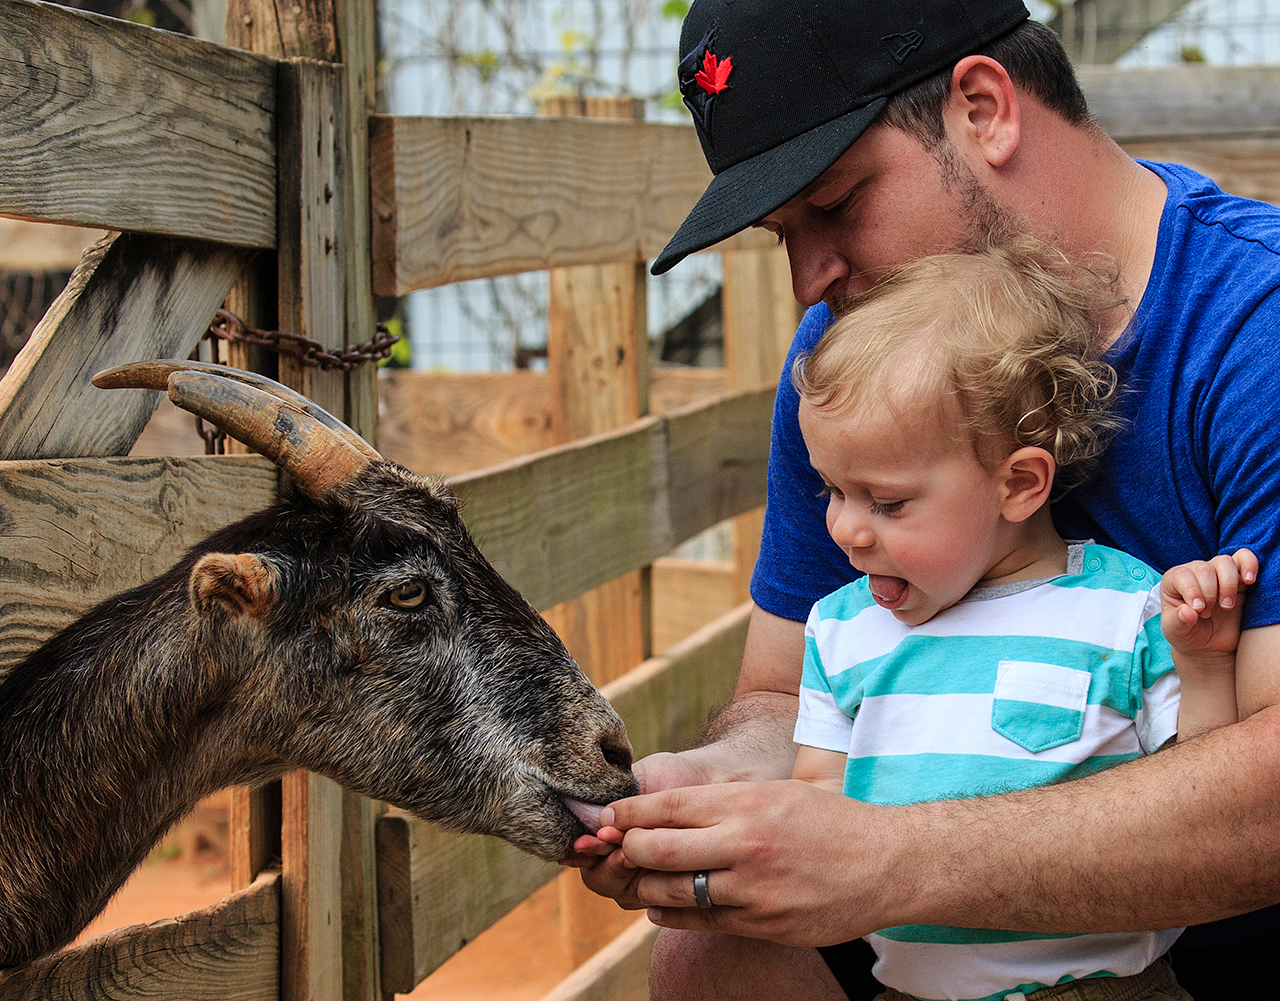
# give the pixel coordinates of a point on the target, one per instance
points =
(1011, 688)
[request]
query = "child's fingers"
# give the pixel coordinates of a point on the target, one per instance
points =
(1247, 563)
(1229, 584)
(1186, 585)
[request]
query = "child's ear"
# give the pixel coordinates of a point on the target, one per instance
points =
(1026, 482)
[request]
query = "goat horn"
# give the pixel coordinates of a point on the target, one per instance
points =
(295, 439)
(155, 375)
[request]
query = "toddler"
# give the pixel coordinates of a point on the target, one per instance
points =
(981, 653)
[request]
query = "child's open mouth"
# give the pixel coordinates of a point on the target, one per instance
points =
(889, 592)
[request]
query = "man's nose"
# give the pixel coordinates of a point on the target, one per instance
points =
(815, 264)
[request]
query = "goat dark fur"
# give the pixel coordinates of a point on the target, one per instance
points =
(361, 635)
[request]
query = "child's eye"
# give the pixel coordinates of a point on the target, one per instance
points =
(829, 491)
(892, 507)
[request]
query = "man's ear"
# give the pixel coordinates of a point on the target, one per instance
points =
(1026, 482)
(982, 110)
(243, 584)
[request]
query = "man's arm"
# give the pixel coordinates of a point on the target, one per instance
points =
(1182, 837)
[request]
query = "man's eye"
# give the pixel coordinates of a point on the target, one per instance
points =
(406, 595)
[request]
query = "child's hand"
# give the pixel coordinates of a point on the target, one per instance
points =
(1200, 603)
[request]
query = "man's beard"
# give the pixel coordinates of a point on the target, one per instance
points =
(986, 221)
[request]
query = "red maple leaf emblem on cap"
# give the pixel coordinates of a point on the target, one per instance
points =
(714, 75)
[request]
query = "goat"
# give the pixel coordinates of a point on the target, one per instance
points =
(353, 629)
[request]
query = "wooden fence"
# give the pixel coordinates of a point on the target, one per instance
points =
(258, 173)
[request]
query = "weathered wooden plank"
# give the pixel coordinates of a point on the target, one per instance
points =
(133, 297)
(598, 367)
(75, 532)
(718, 457)
(110, 124)
(458, 198)
(687, 594)
(312, 250)
(556, 523)
(228, 951)
(1184, 101)
(618, 972)
(447, 423)
(437, 890)
(667, 700)
(565, 520)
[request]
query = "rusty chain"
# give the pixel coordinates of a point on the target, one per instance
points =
(229, 327)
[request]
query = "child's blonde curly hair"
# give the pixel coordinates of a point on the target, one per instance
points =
(1006, 342)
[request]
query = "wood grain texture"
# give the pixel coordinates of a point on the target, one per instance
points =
(228, 952)
(556, 523)
(437, 890)
(573, 517)
(110, 124)
(459, 198)
(568, 519)
(446, 423)
(133, 297)
(1184, 101)
(717, 460)
(618, 972)
(667, 700)
(311, 888)
(312, 250)
(75, 532)
(687, 594)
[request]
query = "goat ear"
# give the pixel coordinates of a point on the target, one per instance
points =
(241, 583)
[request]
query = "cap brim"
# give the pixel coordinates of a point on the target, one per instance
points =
(749, 190)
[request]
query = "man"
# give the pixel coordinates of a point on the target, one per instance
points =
(865, 134)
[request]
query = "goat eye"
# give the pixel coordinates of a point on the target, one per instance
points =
(407, 595)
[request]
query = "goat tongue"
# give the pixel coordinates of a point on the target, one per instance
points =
(588, 813)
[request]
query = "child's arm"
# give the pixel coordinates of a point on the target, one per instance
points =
(1200, 605)
(819, 767)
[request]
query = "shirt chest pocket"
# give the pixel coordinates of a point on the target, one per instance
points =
(1039, 706)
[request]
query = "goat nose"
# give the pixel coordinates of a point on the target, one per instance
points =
(616, 749)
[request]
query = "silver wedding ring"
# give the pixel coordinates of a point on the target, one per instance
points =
(700, 892)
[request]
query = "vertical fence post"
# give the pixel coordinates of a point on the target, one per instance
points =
(760, 317)
(598, 364)
(324, 291)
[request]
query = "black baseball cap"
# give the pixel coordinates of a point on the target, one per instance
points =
(780, 89)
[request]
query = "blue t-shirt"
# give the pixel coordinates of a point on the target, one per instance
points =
(1195, 472)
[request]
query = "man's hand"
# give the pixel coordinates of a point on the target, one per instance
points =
(605, 870)
(770, 848)
(748, 741)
